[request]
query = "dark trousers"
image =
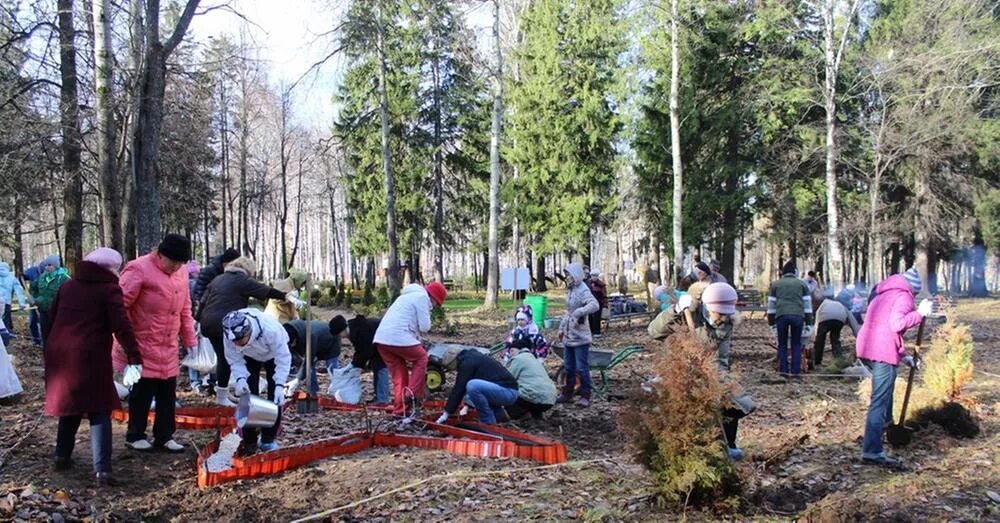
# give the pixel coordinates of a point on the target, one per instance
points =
(35, 326)
(522, 407)
(254, 367)
(139, 401)
(8, 334)
(100, 438)
(833, 328)
(46, 324)
(731, 424)
(221, 365)
(595, 322)
(790, 333)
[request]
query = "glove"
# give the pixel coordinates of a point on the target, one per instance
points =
(443, 417)
(241, 387)
(925, 308)
(292, 386)
(294, 300)
(807, 331)
(132, 375)
(279, 395)
(909, 362)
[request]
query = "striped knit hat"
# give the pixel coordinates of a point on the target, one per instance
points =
(913, 278)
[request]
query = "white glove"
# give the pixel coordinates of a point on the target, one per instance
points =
(463, 411)
(294, 300)
(925, 308)
(132, 375)
(279, 395)
(443, 417)
(292, 386)
(241, 387)
(807, 331)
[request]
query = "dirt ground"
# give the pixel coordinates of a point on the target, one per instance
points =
(803, 446)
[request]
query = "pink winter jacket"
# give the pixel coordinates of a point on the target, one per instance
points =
(159, 308)
(889, 315)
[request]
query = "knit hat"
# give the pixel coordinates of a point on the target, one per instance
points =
(703, 268)
(596, 273)
(659, 291)
(790, 268)
(230, 255)
(243, 264)
(720, 298)
(337, 325)
(106, 257)
(51, 259)
(175, 247)
(521, 316)
(437, 292)
(912, 277)
(236, 325)
(526, 310)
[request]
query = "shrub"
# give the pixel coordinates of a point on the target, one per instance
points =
(368, 298)
(675, 430)
(438, 319)
(948, 361)
(382, 298)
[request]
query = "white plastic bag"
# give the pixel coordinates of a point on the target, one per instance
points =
(858, 370)
(9, 384)
(202, 358)
(345, 384)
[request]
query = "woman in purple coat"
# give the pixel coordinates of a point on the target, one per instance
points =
(86, 311)
(880, 346)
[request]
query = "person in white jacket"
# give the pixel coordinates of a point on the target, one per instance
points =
(398, 341)
(254, 340)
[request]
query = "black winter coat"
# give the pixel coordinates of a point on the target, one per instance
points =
(229, 292)
(361, 332)
(474, 365)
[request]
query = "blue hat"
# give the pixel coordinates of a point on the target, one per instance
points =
(913, 278)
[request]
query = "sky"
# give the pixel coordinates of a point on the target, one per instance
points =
(290, 37)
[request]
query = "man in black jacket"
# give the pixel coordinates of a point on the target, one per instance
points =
(208, 273)
(487, 385)
(360, 331)
(325, 346)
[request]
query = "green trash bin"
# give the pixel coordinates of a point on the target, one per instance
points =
(538, 305)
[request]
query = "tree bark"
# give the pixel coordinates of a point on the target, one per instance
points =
(493, 273)
(438, 166)
(393, 281)
(675, 144)
(106, 130)
(146, 142)
(71, 139)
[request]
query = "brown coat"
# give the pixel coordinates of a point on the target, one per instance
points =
(86, 312)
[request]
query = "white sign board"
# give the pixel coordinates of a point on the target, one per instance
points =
(515, 279)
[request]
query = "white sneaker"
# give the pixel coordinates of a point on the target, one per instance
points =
(173, 446)
(139, 445)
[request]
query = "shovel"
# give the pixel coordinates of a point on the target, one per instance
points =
(310, 403)
(898, 434)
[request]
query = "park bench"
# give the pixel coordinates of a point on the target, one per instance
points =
(749, 301)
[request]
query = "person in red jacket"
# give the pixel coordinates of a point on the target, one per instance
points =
(159, 306)
(86, 311)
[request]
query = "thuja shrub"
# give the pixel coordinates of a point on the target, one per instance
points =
(948, 361)
(674, 429)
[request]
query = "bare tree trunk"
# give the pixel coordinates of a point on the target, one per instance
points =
(675, 143)
(224, 163)
(71, 139)
(106, 130)
(390, 197)
(438, 167)
(493, 274)
(298, 220)
(285, 158)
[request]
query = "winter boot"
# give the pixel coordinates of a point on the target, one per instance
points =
(566, 396)
(222, 397)
(584, 400)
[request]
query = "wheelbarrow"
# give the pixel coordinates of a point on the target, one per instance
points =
(601, 361)
(441, 358)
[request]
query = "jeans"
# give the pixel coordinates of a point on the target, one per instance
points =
(489, 398)
(880, 409)
(406, 382)
(139, 401)
(833, 327)
(253, 382)
(331, 365)
(35, 326)
(194, 378)
(380, 378)
(100, 438)
(577, 360)
(790, 326)
(522, 407)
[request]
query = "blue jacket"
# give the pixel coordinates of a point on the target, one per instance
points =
(9, 284)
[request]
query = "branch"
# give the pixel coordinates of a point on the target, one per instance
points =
(317, 65)
(182, 26)
(843, 37)
(25, 88)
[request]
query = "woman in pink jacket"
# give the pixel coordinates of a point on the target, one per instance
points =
(159, 307)
(880, 346)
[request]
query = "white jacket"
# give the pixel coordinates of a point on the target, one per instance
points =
(407, 318)
(268, 340)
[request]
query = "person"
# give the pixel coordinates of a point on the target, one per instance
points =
(811, 283)
(228, 292)
(600, 291)
(156, 298)
(651, 277)
(34, 326)
(704, 273)
(535, 391)
(831, 316)
(86, 312)
(672, 309)
(9, 286)
(360, 331)
(397, 340)
(716, 276)
(43, 291)
(880, 347)
(325, 346)
(255, 341)
(209, 273)
(789, 307)
(525, 336)
(194, 377)
(713, 319)
(740, 404)
(574, 333)
(281, 308)
(485, 383)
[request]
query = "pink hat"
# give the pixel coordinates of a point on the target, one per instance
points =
(193, 268)
(106, 257)
(720, 297)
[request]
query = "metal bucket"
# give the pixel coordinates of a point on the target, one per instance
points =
(256, 412)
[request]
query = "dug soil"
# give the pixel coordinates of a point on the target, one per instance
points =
(802, 444)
